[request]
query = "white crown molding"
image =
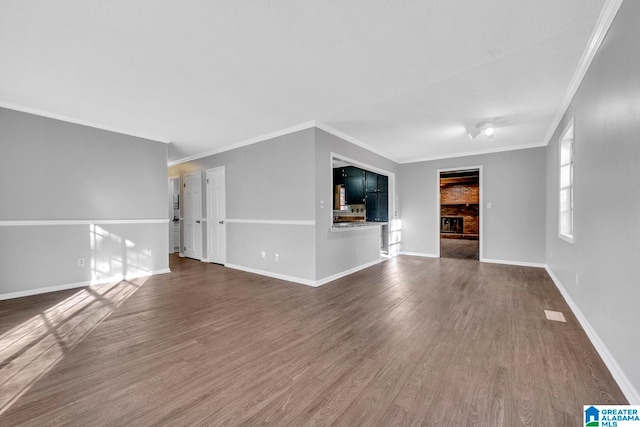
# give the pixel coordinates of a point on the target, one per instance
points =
(632, 395)
(271, 221)
(475, 153)
(608, 13)
(282, 132)
(335, 132)
(62, 118)
(116, 278)
(255, 140)
(47, 222)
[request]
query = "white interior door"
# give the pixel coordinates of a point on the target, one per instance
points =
(216, 216)
(192, 215)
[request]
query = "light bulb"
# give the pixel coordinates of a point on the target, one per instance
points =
(489, 132)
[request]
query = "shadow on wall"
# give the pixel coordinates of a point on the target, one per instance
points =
(32, 348)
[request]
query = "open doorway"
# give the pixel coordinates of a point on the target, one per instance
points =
(459, 210)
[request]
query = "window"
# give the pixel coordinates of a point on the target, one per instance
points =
(566, 184)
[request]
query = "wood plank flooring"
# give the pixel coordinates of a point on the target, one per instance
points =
(410, 341)
(459, 248)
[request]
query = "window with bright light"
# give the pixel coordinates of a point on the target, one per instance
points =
(566, 184)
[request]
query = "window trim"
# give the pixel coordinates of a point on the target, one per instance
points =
(564, 137)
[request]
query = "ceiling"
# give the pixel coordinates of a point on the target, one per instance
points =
(407, 78)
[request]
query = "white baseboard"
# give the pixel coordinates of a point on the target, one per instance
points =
(347, 272)
(424, 255)
(116, 278)
(285, 277)
(625, 385)
(307, 282)
(519, 263)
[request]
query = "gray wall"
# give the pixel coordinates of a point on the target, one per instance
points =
(606, 247)
(341, 251)
(513, 181)
(270, 180)
(285, 178)
(53, 170)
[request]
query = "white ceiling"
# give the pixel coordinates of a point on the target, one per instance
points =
(404, 77)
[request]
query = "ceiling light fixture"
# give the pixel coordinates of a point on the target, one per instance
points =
(487, 128)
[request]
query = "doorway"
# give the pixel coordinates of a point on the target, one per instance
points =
(174, 214)
(459, 213)
(216, 216)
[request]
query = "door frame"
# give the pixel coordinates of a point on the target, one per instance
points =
(172, 248)
(210, 220)
(480, 204)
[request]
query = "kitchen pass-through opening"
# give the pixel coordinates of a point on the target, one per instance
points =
(460, 214)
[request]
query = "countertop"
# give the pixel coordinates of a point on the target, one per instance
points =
(356, 224)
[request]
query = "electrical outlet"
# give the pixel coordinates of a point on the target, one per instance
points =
(264, 254)
(80, 262)
(277, 257)
(321, 204)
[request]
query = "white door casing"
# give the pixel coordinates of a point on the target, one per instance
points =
(192, 189)
(216, 216)
(170, 214)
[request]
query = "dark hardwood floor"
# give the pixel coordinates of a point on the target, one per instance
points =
(410, 341)
(459, 248)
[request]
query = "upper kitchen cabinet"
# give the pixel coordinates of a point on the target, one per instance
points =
(376, 183)
(354, 190)
(352, 180)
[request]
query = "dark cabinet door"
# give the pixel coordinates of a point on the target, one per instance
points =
(371, 182)
(383, 184)
(383, 207)
(377, 206)
(371, 206)
(338, 176)
(354, 189)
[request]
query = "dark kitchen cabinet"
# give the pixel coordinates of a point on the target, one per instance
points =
(377, 207)
(377, 203)
(376, 183)
(354, 189)
(338, 176)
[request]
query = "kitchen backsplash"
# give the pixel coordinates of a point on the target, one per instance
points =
(354, 210)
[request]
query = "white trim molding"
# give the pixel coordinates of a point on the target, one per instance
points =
(255, 140)
(116, 278)
(632, 395)
(284, 277)
(475, 153)
(47, 222)
(348, 272)
(335, 132)
(300, 280)
(282, 132)
(608, 13)
(509, 262)
(271, 221)
(80, 122)
(420, 254)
